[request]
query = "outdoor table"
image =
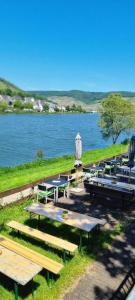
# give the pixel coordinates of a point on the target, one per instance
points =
(126, 178)
(108, 189)
(74, 219)
(17, 268)
(131, 295)
(115, 161)
(56, 183)
(115, 185)
(127, 169)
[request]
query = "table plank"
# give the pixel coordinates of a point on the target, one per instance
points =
(77, 220)
(41, 260)
(118, 184)
(16, 267)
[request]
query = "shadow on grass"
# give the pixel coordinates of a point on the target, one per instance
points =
(40, 244)
(24, 291)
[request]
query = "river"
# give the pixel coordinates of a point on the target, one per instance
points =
(21, 135)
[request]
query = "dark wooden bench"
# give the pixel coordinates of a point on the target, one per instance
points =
(122, 197)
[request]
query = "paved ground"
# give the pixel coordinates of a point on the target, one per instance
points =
(103, 278)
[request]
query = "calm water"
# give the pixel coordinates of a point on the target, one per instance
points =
(22, 135)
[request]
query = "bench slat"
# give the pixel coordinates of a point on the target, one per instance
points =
(58, 242)
(32, 255)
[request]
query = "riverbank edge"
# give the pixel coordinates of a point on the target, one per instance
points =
(89, 157)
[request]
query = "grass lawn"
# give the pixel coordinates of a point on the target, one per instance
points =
(75, 265)
(21, 175)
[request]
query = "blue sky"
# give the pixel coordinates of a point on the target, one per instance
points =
(63, 45)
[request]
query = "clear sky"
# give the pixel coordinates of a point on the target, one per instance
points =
(68, 44)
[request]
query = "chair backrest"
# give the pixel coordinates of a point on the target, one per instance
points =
(65, 177)
(41, 187)
(86, 170)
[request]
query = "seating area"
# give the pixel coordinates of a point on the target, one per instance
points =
(47, 238)
(64, 224)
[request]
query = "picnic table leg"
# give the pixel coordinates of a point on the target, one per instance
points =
(57, 194)
(16, 290)
(80, 244)
(48, 279)
(32, 290)
(64, 256)
(88, 237)
(38, 220)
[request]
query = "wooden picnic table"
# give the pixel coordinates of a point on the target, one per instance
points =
(109, 190)
(114, 185)
(126, 169)
(126, 178)
(17, 268)
(74, 219)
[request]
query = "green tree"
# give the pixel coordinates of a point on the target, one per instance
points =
(28, 105)
(68, 108)
(73, 107)
(8, 92)
(39, 154)
(46, 107)
(18, 105)
(56, 109)
(117, 115)
(3, 105)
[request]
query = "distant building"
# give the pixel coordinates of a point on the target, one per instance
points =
(38, 106)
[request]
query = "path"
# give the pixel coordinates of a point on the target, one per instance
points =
(104, 277)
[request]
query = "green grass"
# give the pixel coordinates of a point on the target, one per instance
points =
(21, 175)
(75, 265)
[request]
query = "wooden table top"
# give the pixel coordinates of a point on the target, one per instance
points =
(74, 219)
(16, 267)
(126, 168)
(125, 176)
(118, 184)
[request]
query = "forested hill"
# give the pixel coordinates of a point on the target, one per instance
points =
(86, 97)
(6, 86)
(83, 98)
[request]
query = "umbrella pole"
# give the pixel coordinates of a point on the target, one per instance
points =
(129, 176)
(77, 175)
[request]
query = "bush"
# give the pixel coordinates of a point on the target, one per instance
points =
(40, 154)
(3, 105)
(125, 141)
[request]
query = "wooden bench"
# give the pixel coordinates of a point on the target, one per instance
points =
(41, 260)
(47, 238)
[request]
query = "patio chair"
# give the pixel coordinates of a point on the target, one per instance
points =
(45, 193)
(65, 177)
(63, 189)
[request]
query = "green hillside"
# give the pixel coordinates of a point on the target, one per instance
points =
(86, 97)
(83, 98)
(6, 86)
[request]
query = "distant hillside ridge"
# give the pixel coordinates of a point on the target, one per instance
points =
(83, 96)
(10, 89)
(5, 85)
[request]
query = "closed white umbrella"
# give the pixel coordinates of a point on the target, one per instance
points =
(78, 162)
(78, 150)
